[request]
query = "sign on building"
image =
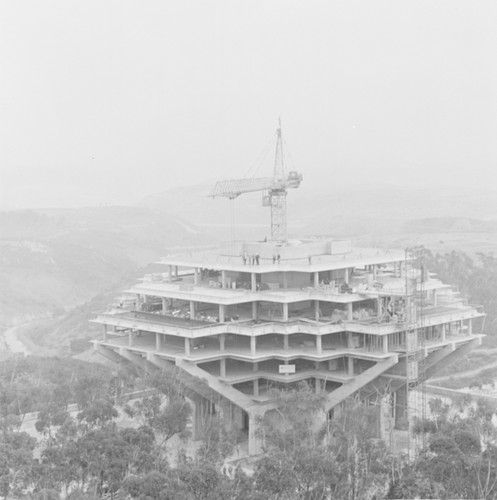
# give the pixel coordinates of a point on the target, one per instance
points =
(287, 368)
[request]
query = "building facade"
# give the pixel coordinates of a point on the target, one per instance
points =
(250, 317)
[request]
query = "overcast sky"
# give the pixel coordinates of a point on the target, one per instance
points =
(104, 102)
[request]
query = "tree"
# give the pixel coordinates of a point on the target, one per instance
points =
(167, 417)
(16, 460)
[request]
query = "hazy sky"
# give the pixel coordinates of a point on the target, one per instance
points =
(104, 102)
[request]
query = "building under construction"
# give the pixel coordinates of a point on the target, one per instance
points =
(253, 316)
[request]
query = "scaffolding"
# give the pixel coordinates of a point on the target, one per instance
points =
(416, 352)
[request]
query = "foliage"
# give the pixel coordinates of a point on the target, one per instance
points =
(460, 460)
(476, 278)
(16, 460)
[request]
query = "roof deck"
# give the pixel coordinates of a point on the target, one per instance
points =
(300, 256)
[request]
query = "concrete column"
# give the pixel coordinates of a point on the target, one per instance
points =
(138, 302)
(176, 271)
(170, 274)
(104, 336)
(444, 331)
(375, 273)
(317, 385)
(223, 278)
(350, 365)
(195, 276)
(316, 310)
(470, 327)
(435, 298)
(253, 282)
(350, 311)
(379, 308)
(222, 342)
(255, 367)
(254, 310)
(130, 338)
(285, 281)
(192, 309)
(350, 340)
(222, 367)
(285, 312)
(254, 441)
(253, 346)
(316, 279)
(319, 344)
(222, 309)
(164, 305)
(188, 345)
(158, 342)
(384, 343)
(256, 387)
(347, 276)
(285, 342)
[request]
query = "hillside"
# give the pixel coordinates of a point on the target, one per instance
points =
(330, 209)
(52, 260)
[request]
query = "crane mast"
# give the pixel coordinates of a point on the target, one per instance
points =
(274, 190)
(277, 195)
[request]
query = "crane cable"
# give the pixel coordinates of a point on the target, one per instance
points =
(257, 164)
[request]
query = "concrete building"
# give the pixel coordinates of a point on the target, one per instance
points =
(254, 316)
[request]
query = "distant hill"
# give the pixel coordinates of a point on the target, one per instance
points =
(55, 259)
(451, 224)
(327, 208)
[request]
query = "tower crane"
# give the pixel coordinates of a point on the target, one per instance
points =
(274, 190)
